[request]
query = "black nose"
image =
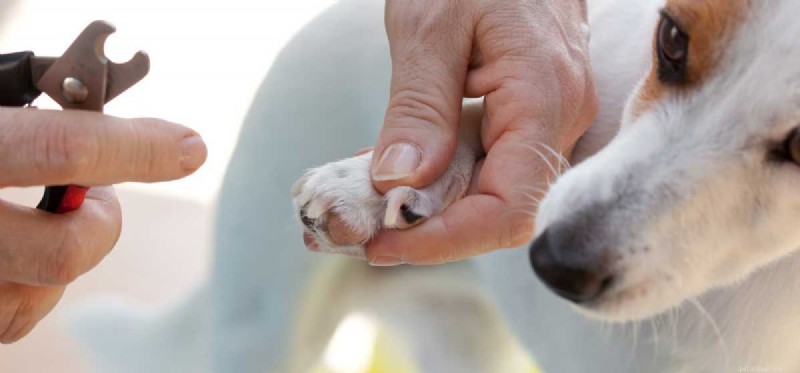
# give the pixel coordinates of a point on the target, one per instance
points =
(575, 273)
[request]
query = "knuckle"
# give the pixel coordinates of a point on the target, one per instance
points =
(571, 98)
(409, 108)
(418, 17)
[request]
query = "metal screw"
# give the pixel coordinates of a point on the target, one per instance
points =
(74, 90)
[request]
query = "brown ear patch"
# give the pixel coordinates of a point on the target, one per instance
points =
(709, 25)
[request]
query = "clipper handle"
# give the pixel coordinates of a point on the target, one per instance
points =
(63, 198)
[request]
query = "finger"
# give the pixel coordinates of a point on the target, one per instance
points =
(430, 44)
(42, 147)
(502, 214)
(39, 248)
(452, 236)
(22, 307)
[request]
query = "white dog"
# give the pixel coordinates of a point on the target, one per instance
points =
(675, 221)
(697, 191)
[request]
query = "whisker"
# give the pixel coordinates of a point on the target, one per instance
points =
(674, 326)
(714, 326)
(539, 188)
(537, 198)
(521, 210)
(562, 160)
(548, 162)
(543, 157)
(635, 335)
(538, 191)
(654, 329)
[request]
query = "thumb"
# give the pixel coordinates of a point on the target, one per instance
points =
(430, 56)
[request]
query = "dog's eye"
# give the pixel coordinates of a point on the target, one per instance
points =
(672, 46)
(792, 146)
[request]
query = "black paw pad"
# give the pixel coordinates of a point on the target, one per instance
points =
(308, 222)
(409, 216)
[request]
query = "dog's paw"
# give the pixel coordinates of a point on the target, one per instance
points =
(341, 211)
(338, 196)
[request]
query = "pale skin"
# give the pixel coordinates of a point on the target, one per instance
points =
(529, 60)
(41, 253)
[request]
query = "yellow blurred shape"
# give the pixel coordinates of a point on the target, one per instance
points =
(360, 345)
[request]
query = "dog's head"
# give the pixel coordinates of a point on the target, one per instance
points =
(702, 184)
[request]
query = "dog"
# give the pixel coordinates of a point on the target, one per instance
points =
(674, 235)
(689, 187)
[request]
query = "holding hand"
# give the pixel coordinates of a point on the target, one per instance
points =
(529, 59)
(40, 252)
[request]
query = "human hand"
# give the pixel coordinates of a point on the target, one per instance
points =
(529, 59)
(40, 252)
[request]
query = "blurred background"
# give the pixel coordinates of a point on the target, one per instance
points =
(207, 60)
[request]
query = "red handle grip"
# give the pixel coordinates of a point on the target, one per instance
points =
(62, 199)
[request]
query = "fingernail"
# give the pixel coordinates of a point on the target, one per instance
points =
(193, 152)
(385, 261)
(398, 161)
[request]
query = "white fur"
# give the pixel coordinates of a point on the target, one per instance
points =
(695, 204)
(713, 216)
(690, 180)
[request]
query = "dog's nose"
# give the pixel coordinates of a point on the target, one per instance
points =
(569, 271)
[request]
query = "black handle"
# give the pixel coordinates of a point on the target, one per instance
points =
(53, 195)
(17, 87)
